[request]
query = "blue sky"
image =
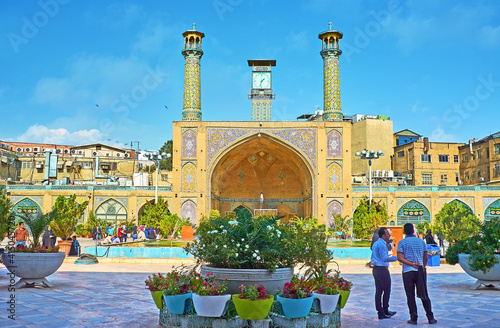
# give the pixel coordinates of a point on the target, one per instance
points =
(432, 66)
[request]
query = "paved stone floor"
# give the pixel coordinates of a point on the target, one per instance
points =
(113, 295)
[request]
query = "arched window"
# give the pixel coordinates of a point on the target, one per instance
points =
(244, 210)
(413, 212)
(188, 211)
(492, 211)
(111, 211)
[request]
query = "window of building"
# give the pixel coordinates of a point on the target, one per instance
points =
(425, 158)
(455, 158)
(97, 147)
(443, 159)
(487, 153)
(479, 174)
(478, 155)
(466, 176)
(426, 178)
(26, 165)
(457, 177)
(496, 170)
(465, 158)
(497, 149)
(444, 178)
(401, 153)
(473, 175)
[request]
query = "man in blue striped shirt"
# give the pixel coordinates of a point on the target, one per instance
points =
(380, 261)
(412, 253)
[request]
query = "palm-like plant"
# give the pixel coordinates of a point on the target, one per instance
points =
(5, 214)
(36, 223)
(68, 211)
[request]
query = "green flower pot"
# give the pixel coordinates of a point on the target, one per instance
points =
(252, 310)
(344, 295)
(157, 297)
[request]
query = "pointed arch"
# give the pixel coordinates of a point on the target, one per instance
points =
(244, 208)
(414, 212)
(189, 144)
(188, 211)
(189, 177)
(112, 211)
(492, 211)
(334, 207)
(334, 144)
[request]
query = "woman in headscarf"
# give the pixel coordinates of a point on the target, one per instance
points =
(48, 238)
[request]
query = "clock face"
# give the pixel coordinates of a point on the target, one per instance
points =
(261, 80)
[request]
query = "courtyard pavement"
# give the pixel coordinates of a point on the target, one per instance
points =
(113, 295)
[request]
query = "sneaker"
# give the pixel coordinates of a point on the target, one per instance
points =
(412, 322)
(432, 321)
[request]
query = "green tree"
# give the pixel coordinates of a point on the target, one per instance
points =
(171, 224)
(5, 213)
(68, 212)
(36, 224)
(367, 218)
(166, 164)
(154, 213)
(455, 222)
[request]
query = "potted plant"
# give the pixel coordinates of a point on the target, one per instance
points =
(176, 292)
(327, 292)
(295, 300)
(479, 253)
(253, 302)
(35, 262)
(249, 250)
(344, 287)
(68, 211)
(208, 296)
(156, 284)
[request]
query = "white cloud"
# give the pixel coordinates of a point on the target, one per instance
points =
(417, 108)
(439, 135)
(42, 134)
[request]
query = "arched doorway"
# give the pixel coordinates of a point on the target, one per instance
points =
(245, 211)
(492, 211)
(413, 212)
(460, 202)
(111, 211)
(262, 165)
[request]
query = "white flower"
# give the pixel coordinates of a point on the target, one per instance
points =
(216, 246)
(254, 255)
(236, 254)
(224, 231)
(258, 258)
(238, 245)
(269, 228)
(221, 226)
(256, 251)
(246, 246)
(242, 239)
(225, 246)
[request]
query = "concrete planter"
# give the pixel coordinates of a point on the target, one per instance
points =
(237, 277)
(491, 278)
(32, 268)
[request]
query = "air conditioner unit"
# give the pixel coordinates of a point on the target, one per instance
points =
(58, 151)
(126, 155)
(376, 174)
(66, 151)
(60, 166)
(73, 151)
(36, 149)
(19, 149)
(40, 154)
(27, 149)
(117, 154)
(39, 165)
(80, 152)
(94, 153)
(409, 176)
(107, 154)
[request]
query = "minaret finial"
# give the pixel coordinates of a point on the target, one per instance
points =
(330, 26)
(194, 26)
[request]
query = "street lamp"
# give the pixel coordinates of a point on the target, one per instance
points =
(157, 157)
(369, 155)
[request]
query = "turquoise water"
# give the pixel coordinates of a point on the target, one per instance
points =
(179, 253)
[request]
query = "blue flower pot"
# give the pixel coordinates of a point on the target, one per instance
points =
(177, 303)
(295, 308)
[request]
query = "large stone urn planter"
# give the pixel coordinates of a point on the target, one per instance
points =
(237, 277)
(32, 268)
(490, 279)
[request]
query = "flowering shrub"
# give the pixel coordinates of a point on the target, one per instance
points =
(36, 249)
(156, 283)
(328, 286)
(295, 291)
(208, 286)
(342, 284)
(248, 242)
(252, 292)
(176, 284)
(482, 247)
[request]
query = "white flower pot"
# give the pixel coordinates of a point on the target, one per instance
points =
(327, 303)
(210, 306)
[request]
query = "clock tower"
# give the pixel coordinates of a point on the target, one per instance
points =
(262, 92)
(331, 82)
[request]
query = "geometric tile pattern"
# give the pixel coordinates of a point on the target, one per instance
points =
(469, 201)
(334, 144)
(334, 177)
(303, 139)
(192, 91)
(333, 208)
(189, 177)
(331, 81)
(488, 200)
(424, 201)
(188, 211)
(189, 144)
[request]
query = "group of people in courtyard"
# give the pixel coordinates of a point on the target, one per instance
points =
(141, 233)
(412, 254)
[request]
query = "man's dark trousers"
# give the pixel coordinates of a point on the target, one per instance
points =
(410, 283)
(382, 286)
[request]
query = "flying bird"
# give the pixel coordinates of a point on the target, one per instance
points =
(166, 106)
(96, 105)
